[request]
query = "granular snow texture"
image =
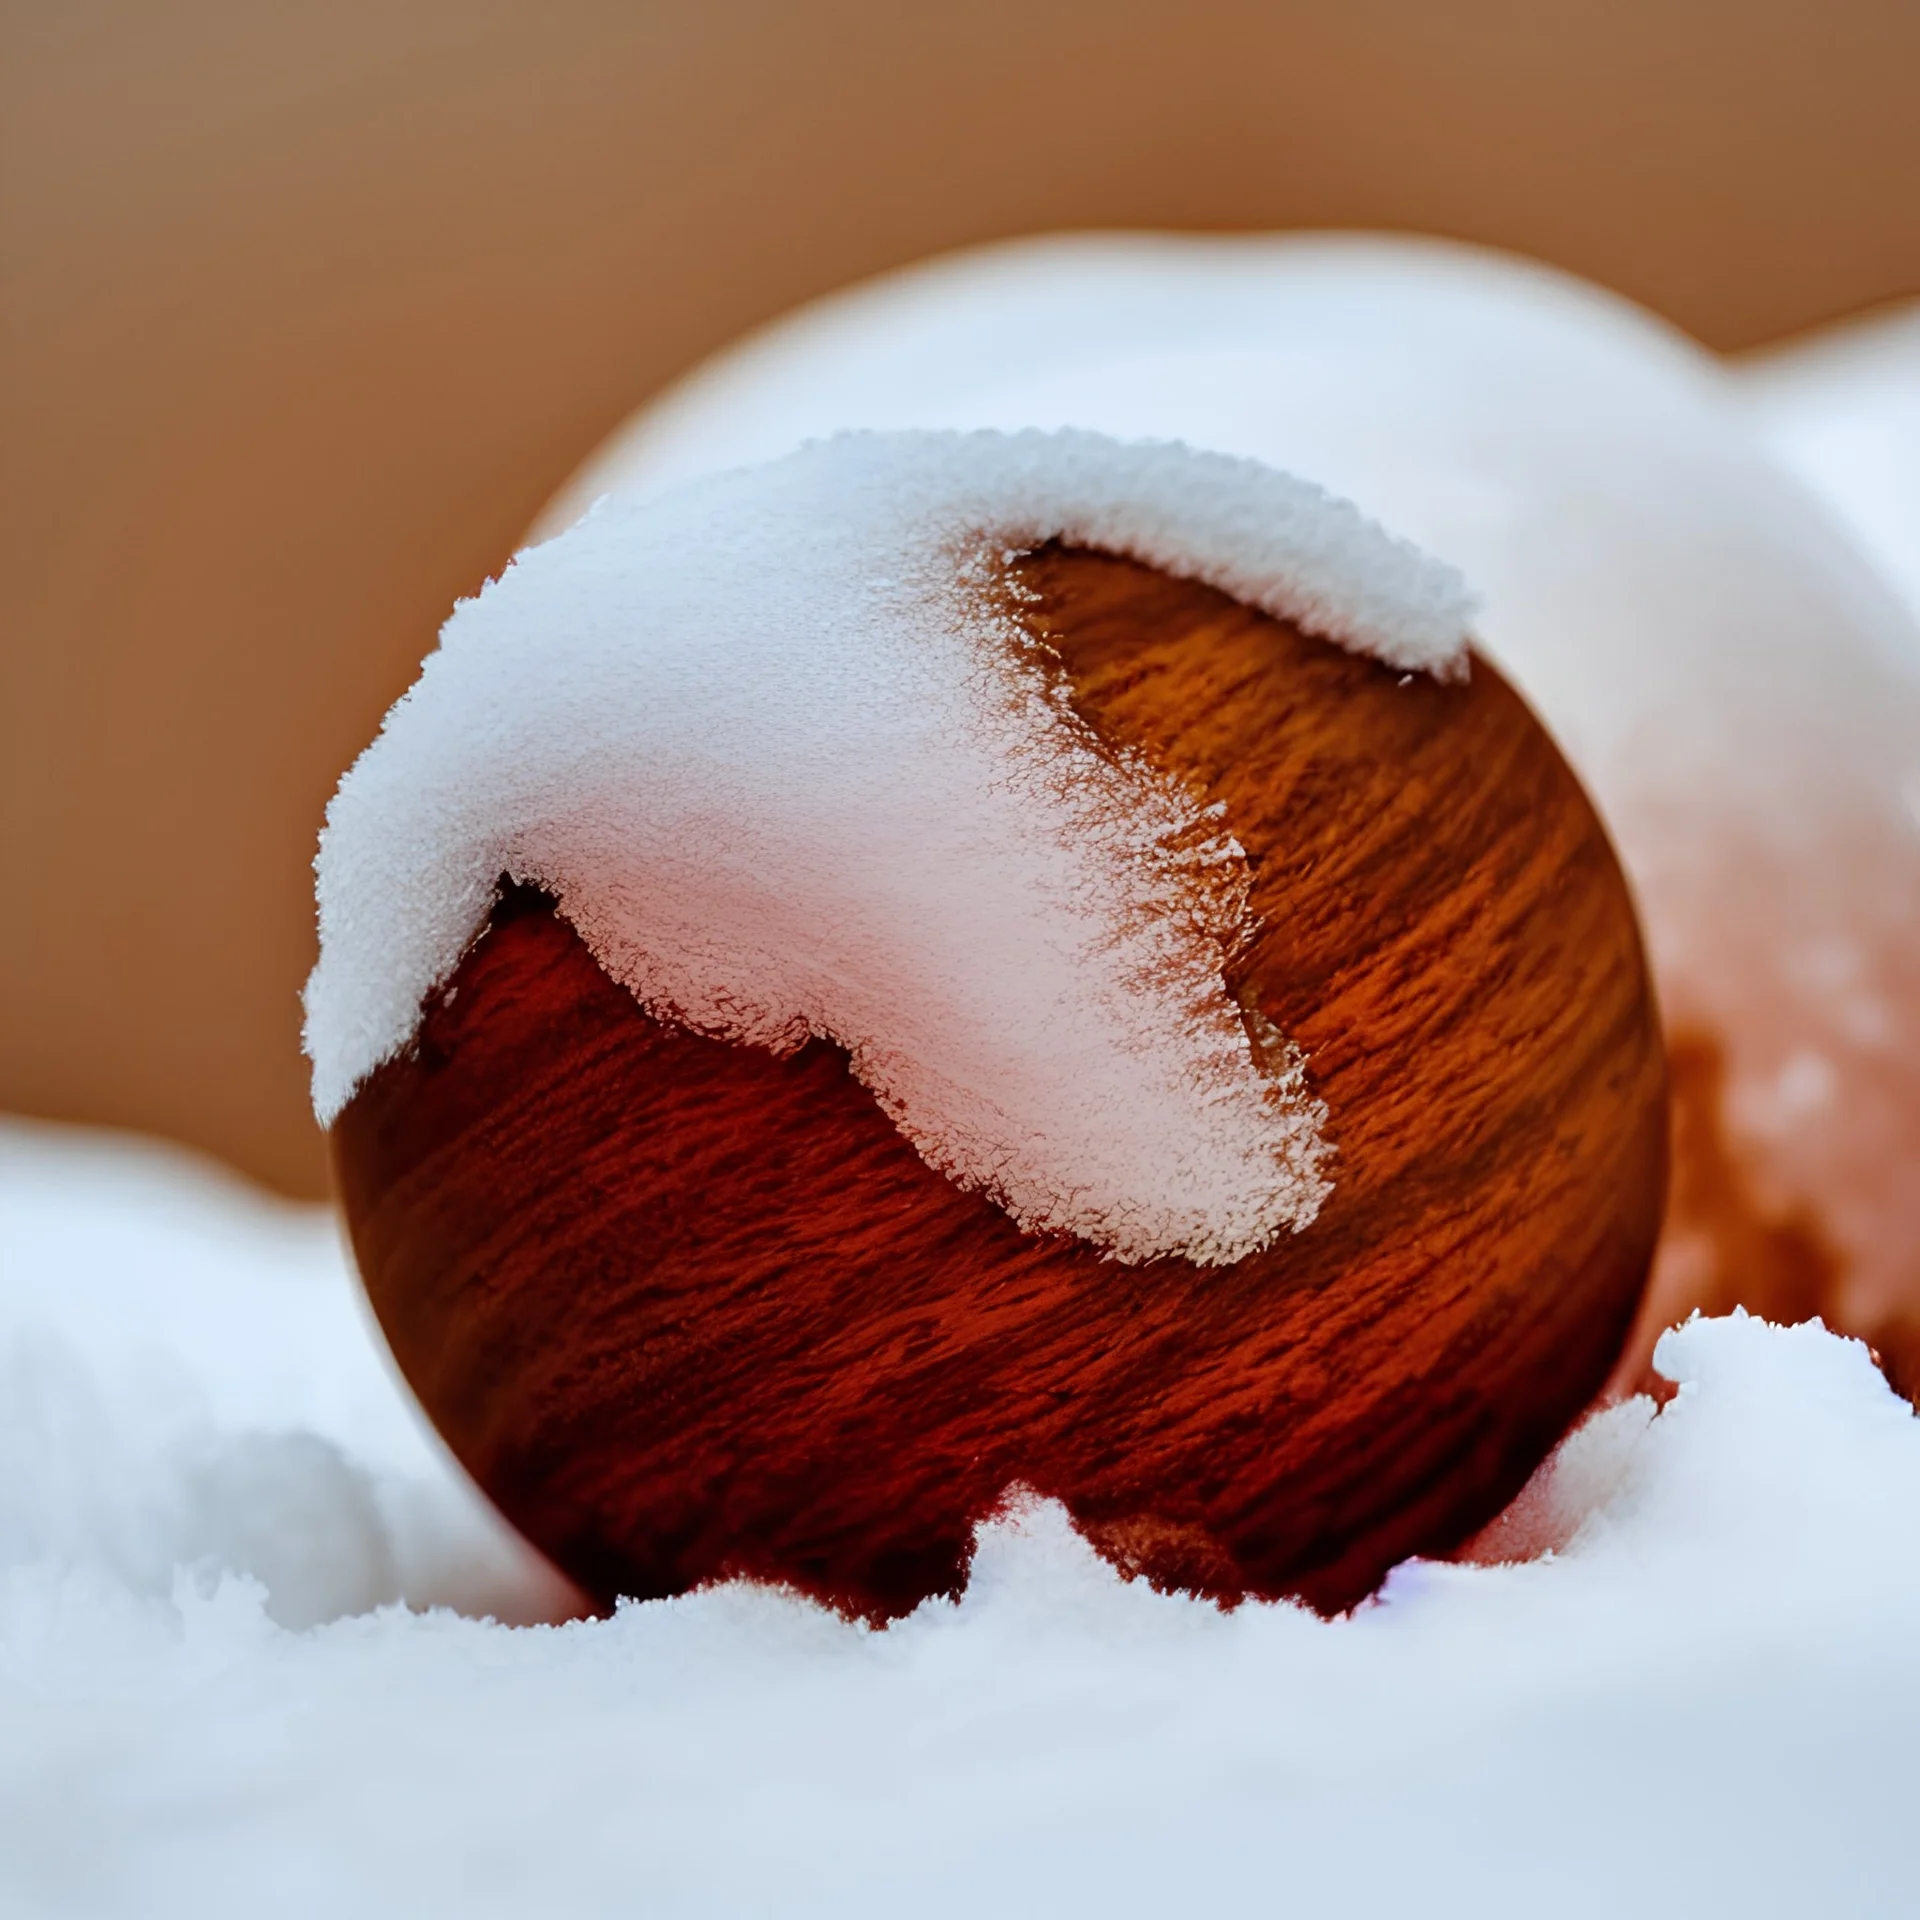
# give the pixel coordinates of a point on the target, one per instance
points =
(1703, 1702)
(792, 768)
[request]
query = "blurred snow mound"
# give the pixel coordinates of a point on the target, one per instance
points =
(1703, 1696)
(189, 1380)
(1841, 412)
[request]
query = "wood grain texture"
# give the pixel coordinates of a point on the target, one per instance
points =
(687, 1311)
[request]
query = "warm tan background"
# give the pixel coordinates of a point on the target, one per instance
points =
(308, 307)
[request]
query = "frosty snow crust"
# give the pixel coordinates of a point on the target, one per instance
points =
(791, 767)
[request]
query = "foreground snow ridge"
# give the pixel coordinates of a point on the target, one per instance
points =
(213, 1490)
(790, 765)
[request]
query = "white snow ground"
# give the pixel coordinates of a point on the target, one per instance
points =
(241, 1669)
(212, 1702)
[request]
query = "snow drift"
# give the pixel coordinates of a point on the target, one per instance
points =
(1703, 1699)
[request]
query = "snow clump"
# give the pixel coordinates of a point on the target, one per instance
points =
(792, 768)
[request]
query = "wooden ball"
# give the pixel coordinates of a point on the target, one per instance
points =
(688, 1311)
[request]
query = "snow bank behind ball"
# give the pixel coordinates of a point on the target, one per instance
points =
(1841, 412)
(1735, 683)
(791, 766)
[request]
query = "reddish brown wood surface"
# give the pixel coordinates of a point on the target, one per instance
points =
(687, 1311)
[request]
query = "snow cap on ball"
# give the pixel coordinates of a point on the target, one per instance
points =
(792, 766)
